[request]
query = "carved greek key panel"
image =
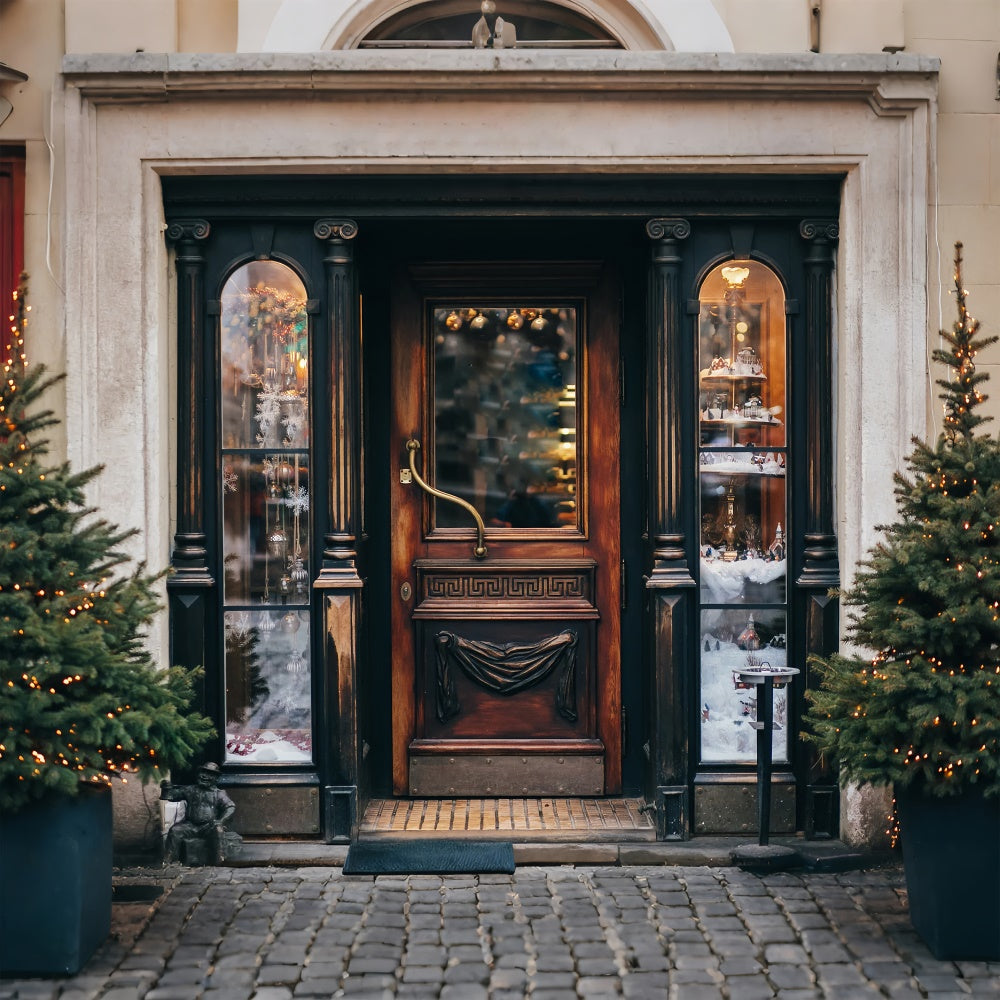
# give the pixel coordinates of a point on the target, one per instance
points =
(506, 586)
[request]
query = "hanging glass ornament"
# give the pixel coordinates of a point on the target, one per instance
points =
(453, 321)
(265, 622)
(515, 320)
(296, 663)
(277, 541)
(285, 585)
(299, 575)
(290, 621)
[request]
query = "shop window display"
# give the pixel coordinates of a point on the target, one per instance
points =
(742, 472)
(265, 493)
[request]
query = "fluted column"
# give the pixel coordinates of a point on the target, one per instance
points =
(668, 369)
(190, 584)
(344, 373)
(820, 564)
(190, 556)
(338, 586)
(670, 504)
(820, 573)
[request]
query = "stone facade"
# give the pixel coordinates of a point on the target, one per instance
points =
(725, 88)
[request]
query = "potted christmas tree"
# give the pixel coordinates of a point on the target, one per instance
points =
(81, 701)
(922, 712)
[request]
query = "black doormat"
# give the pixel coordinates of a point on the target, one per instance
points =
(429, 857)
(134, 892)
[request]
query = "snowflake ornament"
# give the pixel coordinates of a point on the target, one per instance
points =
(240, 625)
(268, 409)
(297, 500)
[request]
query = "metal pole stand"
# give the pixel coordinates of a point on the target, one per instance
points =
(764, 856)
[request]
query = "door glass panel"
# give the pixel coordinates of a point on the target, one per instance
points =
(265, 490)
(742, 459)
(505, 413)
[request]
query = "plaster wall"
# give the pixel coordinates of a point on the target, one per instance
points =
(151, 25)
(766, 25)
(135, 26)
(965, 34)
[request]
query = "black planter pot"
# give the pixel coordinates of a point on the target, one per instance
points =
(55, 870)
(951, 854)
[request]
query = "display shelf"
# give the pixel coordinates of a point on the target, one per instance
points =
(722, 468)
(730, 376)
(739, 421)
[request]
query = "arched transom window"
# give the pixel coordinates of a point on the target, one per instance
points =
(491, 24)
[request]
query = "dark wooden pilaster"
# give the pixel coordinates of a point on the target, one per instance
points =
(669, 366)
(344, 373)
(820, 571)
(190, 556)
(820, 564)
(337, 589)
(190, 583)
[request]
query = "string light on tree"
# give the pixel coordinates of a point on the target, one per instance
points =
(925, 707)
(80, 698)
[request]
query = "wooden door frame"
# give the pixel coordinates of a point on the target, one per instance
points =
(612, 212)
(598, 284)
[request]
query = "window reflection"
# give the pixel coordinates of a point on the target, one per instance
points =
(265, 490)
(505, 413)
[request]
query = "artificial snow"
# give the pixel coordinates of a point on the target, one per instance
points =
(723, 582)
(726, 712)
(271, 746)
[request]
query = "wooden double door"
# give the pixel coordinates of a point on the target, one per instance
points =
(505, 506)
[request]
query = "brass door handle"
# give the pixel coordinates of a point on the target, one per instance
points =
(479, 550)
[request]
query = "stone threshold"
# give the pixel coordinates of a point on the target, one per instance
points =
(817, 856)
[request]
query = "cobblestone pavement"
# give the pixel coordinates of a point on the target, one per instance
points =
(556, 933)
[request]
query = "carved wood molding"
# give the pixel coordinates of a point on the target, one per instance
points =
(505, 668)
(552, 586)
(514, 589)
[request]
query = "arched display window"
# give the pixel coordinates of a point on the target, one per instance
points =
(743, 474)
(265, 500)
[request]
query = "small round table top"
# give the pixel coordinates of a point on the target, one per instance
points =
(758, 675)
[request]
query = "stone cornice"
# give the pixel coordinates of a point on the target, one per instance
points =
(882, 79)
